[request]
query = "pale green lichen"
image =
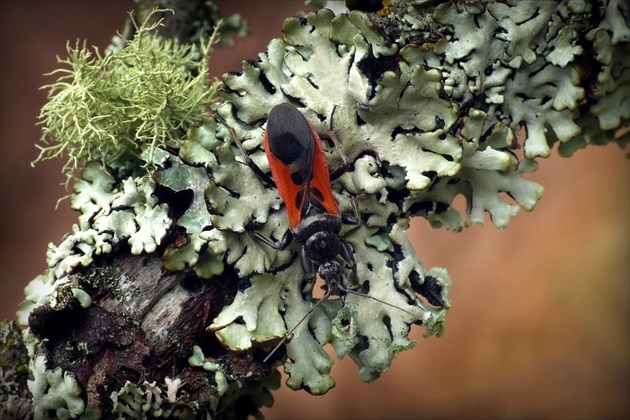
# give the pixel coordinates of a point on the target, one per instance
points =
(54, 391)
(611, 108)
(273, 304)
(198, 360)
(230, 389)
(84, 298)
(525, 60)
(36, 293)
(517, 71)
(511, 69)
(149, 400)
(112, 216)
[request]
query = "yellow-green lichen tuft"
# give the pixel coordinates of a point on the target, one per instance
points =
(108, 107)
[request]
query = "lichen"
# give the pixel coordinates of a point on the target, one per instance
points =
(398, 115)
(426, 103)
(272, 304)
(188, 23)
(150, 400)
(107, 107)
(15, 398)
(610, 109)
(54, 391)
(111, 217)
(230, 389)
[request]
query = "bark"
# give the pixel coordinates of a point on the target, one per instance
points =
(143, 323)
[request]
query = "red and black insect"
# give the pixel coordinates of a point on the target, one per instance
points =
(300, 172)
(298, 166)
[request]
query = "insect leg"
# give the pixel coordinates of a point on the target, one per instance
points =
(346, 163)
(309, 271)
(331, 135)
(284, 242)
(354, 219)
(248, 160)
(346, 253)
(354, 292)
(348, 256)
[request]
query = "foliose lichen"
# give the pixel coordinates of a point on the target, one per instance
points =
(150, 400)
(55, 393)
(421, 123)
(111, 216)
(426, 102)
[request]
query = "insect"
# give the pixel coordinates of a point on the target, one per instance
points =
(300, 172)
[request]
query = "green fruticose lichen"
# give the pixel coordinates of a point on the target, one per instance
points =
(425, 113)
(107, 107)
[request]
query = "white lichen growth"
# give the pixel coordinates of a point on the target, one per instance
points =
(54, 391)
(38, 292)
(172, 386)
(111, 217)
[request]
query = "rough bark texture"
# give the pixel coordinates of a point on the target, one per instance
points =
(143, 322)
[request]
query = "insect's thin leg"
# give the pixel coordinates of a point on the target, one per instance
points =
(284, 242)
(290, 333)
(354, 219)
(345, 162)
(248, 160)
(331, 135)
(348, 256)
(309, 272)
(332, 115)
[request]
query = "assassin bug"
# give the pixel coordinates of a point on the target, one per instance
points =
(300, 172)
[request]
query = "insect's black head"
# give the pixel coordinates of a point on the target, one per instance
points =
(330, 271)
(322, 246)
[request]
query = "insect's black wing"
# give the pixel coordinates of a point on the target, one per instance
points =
(291, 141)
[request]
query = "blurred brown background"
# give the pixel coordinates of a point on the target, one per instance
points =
(540, 320)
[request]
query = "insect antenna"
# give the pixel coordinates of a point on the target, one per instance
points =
(334, 285)
(290, 333)
(354, 292)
